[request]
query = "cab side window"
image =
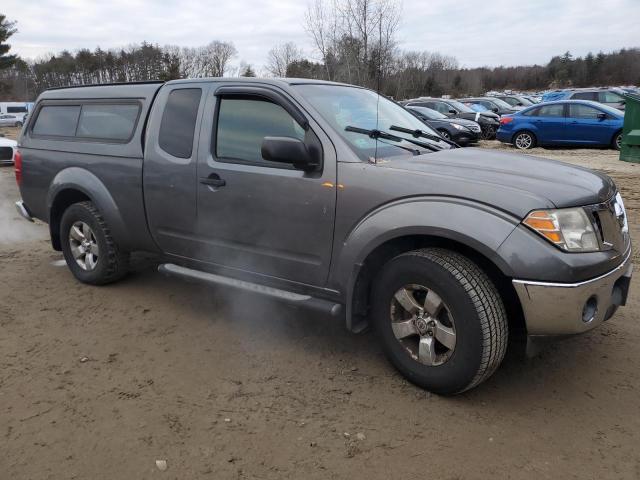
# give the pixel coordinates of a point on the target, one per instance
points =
(244, 122)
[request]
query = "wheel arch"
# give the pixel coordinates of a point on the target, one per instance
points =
(468, 227)
(73, 185)
(359, 300)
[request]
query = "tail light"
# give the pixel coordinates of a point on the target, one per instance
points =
(505, 120)
(17, 165)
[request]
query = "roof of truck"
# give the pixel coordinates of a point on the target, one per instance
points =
(105, 90)
(149, 89)
(272, 81)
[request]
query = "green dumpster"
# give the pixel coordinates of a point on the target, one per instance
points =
(630, 147)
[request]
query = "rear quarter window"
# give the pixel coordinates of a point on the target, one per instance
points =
(179, 122)
(57, 120)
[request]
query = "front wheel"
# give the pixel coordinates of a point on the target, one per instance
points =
(90, 251)
(524, 140)
(440, 320)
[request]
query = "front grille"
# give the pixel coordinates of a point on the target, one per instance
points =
(6, 153)
(609, 219)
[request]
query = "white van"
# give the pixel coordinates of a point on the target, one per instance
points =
(18, 109)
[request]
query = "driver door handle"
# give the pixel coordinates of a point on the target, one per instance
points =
(213, 180)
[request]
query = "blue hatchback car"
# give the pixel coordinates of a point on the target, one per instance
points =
(569, 122)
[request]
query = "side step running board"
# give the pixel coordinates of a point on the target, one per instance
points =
(304, 301)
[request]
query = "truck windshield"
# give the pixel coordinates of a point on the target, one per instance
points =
(365, 111)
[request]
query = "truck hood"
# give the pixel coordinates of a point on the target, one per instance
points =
(511, 182)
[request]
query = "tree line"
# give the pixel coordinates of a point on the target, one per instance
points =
(354, 42)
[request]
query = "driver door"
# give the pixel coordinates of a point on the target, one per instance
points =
(259, 216)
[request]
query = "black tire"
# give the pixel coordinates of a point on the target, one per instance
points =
(112, 263)
(444, 134)
(524, 140)
(616, 142)
(489, 133)
(474, 303)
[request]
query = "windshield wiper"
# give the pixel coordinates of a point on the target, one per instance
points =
(420, 134)
(415, 151)
(376, 134)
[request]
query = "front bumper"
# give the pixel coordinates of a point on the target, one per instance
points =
(570, 308)
(465, 138)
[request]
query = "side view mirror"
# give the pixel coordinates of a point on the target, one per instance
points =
(520, 104)
(494, 109)
(602, 116)
(452, 112)
(289, 150)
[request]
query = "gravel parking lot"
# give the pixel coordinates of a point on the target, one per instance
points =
(102, 382)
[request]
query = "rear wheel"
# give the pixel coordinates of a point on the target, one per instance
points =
(616, 143)
(524, 140)
(440, 320)
(88, 247)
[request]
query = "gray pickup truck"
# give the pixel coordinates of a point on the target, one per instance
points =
(333, 198)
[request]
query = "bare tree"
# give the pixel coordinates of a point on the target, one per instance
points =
(217, 56)
(281, 56)
(321, 23)
(355, 38)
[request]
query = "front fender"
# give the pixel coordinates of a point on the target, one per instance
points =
(82, 180)
(475, 225)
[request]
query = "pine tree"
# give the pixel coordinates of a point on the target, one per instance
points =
(7, 29)
(248, 72)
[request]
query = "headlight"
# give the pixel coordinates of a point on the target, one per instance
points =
(458, 127)
(568, 228)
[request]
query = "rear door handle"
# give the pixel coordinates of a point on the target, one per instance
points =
(213, 180)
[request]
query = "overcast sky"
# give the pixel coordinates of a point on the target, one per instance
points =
(477, 33)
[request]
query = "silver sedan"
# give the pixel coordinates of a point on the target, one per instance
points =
(10, 121)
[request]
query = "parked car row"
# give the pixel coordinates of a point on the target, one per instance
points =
(581, 117)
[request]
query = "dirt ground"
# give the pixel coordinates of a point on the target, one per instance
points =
(99, 383)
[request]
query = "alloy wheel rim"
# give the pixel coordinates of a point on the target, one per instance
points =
(619, 141)
(445, 135)
(524, 141)
(422, 323)
(84, 246)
